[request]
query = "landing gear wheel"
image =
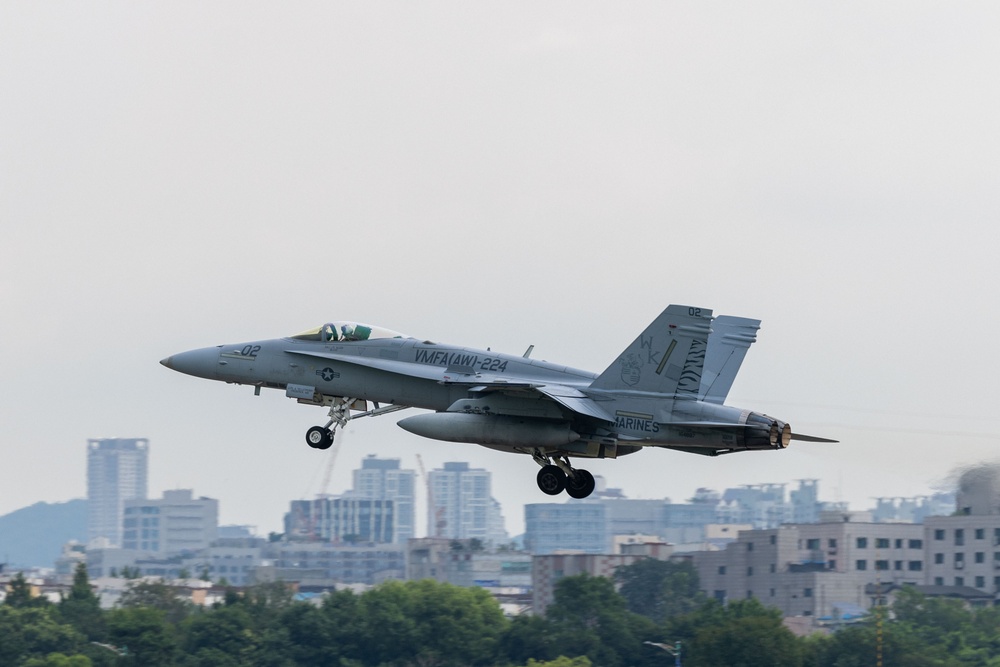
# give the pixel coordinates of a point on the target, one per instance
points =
(319, 438)
(551, 480)
(581, 484)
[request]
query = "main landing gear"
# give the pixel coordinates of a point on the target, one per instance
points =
(321, 437)
(557, 475)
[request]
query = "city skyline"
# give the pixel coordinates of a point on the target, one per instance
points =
(372, 467)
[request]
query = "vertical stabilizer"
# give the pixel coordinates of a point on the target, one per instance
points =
(727, 347)
(666, 358)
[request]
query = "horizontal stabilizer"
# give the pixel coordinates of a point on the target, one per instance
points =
(810, 438)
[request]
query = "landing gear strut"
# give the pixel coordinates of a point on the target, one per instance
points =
(558, 475)
(321, 437)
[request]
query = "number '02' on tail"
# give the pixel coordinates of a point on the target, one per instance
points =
(666, 358)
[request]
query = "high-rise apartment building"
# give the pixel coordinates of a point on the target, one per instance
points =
(382, 479)
(461, 506)
(117, 470)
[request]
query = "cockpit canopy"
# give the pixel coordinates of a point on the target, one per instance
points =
(339, 332)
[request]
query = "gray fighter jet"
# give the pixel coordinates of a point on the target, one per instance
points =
(667, 389)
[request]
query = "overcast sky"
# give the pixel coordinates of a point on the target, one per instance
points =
(184, 174)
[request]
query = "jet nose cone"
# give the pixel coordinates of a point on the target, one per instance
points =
(203, 363)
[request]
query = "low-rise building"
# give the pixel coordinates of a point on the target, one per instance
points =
(463, 563)
(322, 563)
(964, 550)
(813, 569)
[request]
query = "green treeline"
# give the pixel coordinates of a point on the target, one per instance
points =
(429, 624)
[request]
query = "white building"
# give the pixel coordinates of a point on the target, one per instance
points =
(382, 479)
(461, 505)
(116, 472)
(175, 524)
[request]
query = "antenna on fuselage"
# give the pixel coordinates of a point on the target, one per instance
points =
(527, 353)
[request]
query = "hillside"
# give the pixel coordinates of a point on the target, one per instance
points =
(33, 536)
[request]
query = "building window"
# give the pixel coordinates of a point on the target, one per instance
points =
(939, 581)
(916, 544)
(915, 565)
(831, 565)
(898, 565)
(722, 569)
(862, 542)
(980, 582)
(774, 539)
(980, 557)
(881, 542)
(772, 592)
(831, 543)
(980, 533)
(960, 560)
(959, 581)
(899, 544)
(812, 544)
(749, 546)
(749, 594)
(881, 565)
(807, 593)
(774, 568)
(861, 565)
(719, 595)
(938, 534)
(959, 537)
(939, 559)
(750, 571)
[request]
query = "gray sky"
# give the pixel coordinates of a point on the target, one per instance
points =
(184, 174)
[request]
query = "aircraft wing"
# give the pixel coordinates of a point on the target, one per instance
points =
(570, 398)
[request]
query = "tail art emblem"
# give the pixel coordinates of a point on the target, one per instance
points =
(631, 369)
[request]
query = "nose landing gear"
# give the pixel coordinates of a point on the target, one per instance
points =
(321, 437)
(557, 475)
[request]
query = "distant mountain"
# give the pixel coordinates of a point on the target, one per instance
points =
(34, 536)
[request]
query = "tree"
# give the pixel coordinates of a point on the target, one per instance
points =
(744, 633)
(221, 636)
(428, 623)
(156, 595)
(659, 589)
(34, 632)
(527, 638)
(82, 608)
(562, 661)
(590, 618)
(59, 660)
(20, 595)
(145, 633)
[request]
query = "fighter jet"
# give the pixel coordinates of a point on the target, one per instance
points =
(667, 389)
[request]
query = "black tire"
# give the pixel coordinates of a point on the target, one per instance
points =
(319, 438)
(581, 484)
(551, 480)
